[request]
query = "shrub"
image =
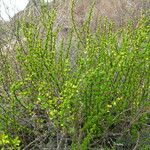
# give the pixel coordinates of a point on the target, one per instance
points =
(88, 91)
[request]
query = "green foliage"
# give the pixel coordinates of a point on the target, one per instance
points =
(8, 142)
(91, 88)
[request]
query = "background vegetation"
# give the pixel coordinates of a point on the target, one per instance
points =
(76, 87)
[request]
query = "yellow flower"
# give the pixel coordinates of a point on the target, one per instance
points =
(114, 103)
(109, 106)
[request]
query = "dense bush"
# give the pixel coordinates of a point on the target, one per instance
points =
(90, 91)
